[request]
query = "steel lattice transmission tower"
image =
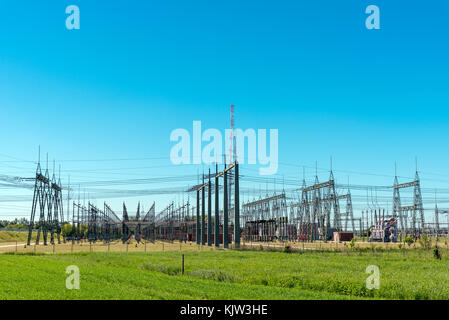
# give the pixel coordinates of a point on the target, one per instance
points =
(397, 202)
(47, 198)
(58, 211)
(403, 211)
(39, 198)
(417, 200)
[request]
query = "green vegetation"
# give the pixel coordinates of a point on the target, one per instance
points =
(425, 242)
(14, 224)
(409, 240)
(352, 243)
(436, 253)
(12, 236)
(311, 274)
(288, 249)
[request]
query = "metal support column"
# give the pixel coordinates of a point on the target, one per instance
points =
(225, 209)
(203, 216)
(198, 217)
(217, 211)
(236, 207)
(209, 213)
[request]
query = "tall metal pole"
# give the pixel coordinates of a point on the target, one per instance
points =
(209, 213)
(236, 207)
(217, 211)
(198, 217)
(225, 209)
(362, 233)
(68, 201)
(203, 215)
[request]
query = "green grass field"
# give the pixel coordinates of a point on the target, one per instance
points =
(410, 274)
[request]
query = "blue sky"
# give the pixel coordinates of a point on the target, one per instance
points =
(136, 70)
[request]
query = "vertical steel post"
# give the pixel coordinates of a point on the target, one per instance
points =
(198, 217)
(217, 211)
(225, 209)
(236, 207)
(182, 267)
(203, 215)
(209, 213)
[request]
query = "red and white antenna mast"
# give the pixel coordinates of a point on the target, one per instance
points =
(232, 146)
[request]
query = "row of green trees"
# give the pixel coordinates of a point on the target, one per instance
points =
(67, 230)
(21, 223)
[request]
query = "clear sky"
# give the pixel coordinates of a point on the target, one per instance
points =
(136, 70)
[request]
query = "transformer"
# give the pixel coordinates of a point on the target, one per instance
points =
(385, 231)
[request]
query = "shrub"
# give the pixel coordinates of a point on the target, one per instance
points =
(409, 240)
(352, 243)
(213, 274)
(436, 253)
(288, 249)
(286, 283)
(171, 271)
(31, 253)
(425, 242)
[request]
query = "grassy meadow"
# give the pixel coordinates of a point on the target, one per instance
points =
(226, 274)
(13, 236)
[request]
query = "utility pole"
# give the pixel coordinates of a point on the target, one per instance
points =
(236, 207)
(198, 232)
(209, 213)
(217, 209)
(68, 201)
(203, 214)
(225, 209)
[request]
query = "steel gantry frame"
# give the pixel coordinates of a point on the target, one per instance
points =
(175, 223)
(140, 227)
(318, 203)
(349, 213)
(148, 224)
(402, 212)
(436, 230)
(266, 219)
(201, 235)
(94, 224)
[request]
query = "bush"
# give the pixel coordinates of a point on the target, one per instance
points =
(213, 274)
(288, 249)
(425, 242)
(24, 253)
(409, 240)
(436, 253)
(171, 271)
(352, 243)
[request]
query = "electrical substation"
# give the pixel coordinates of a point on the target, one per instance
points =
(217, 217)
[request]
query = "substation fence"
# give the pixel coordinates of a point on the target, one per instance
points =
(99, 247)
(182, 247)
